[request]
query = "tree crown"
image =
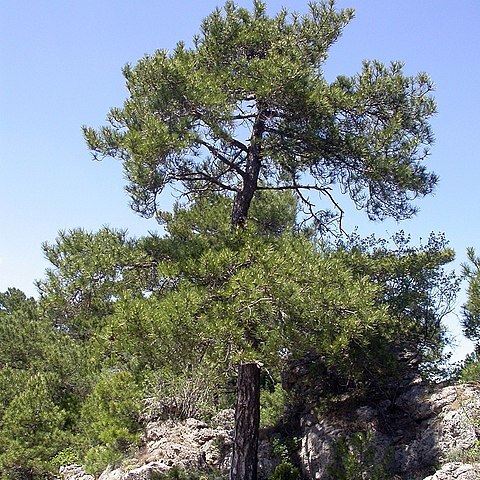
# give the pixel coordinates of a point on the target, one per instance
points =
(247, 108)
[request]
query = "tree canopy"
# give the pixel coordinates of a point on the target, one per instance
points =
(247, 108)
(471, 309)
(469, 370)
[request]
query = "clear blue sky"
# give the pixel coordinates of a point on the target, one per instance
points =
(61, 68)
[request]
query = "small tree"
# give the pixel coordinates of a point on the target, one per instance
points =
(247, 109)
(31, 432)
(42, 381)
(471, 316)
(471, 309)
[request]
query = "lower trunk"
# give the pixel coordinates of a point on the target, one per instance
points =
(247, 422)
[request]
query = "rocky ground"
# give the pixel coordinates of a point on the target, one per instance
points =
(424, 434)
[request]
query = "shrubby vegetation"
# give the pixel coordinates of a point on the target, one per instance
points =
(154, 327)
(470, 369)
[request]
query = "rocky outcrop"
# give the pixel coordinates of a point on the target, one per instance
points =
(457, 471)
(423, 427)
(74, 472)
(188, 445)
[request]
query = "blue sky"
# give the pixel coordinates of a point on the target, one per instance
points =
(61, 66)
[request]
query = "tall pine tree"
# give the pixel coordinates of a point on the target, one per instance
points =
(247, 108)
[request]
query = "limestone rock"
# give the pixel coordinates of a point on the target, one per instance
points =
(111, 474)
(189, 445)
(456, 471)
(420, 429)
(74, 472)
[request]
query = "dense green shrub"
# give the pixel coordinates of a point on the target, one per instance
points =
(32, 431)
(355, 459)
(286, 471)
(176, 473)
(272, 405)
(110, 419)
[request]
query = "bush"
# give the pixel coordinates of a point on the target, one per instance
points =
(100, 456)
(272, 405)
(176, 473)
(110, 419)
(355, 459)
(286, 471)
(470, 370)
(284, 449)
(31, 431)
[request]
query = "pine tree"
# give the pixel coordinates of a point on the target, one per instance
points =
(247, 109)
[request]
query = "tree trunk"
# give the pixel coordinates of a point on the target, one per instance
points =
(247, 411)
(247, 423)
(241, 203)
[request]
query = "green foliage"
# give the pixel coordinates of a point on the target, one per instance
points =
(469, 369)
(274, 213)
(42, 380)
(22, 333)
(272, 405)
(355, 459)
(414, 286)
(238, 296)
(263, 297)
(68, 456)
(471, 309)
(88, 271)
(110, 419)
(246, 110)
(286, 471)
(32, 430)
(176, 473)
(284, 449)
(98, 457)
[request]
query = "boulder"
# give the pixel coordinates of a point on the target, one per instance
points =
(74, 472)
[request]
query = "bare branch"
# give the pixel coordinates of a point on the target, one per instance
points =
(294, 187)
(200, 176)
(216, 153)
(245, 116)
(327, 191)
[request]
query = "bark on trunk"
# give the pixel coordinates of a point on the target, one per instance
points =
(243, 199)
(247, 411)
(247, 423)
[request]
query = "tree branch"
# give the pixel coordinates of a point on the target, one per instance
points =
(200, 176)
(214, 151)
(298, 189)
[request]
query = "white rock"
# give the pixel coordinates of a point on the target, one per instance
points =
(456, 471)
(74, 472)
